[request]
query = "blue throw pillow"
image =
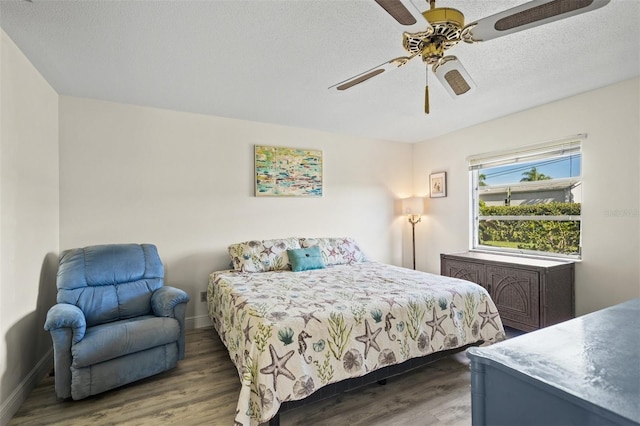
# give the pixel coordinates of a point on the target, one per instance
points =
(305, 259)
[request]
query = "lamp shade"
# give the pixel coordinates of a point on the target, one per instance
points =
(414, 205)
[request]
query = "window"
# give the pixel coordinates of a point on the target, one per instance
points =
(528, 201)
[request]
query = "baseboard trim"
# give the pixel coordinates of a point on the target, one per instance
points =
(199, 321)
(12, 404)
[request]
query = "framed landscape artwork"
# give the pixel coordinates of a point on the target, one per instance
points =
(288, 172)
(438, 184)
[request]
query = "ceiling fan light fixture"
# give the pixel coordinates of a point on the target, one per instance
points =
(453, 76)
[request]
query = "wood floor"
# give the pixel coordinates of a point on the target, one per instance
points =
(203, 390)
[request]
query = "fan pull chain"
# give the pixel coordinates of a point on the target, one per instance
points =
(426, 92)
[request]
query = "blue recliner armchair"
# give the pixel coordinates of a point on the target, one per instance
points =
(114, 322)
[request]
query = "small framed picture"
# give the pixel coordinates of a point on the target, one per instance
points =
(438, 184)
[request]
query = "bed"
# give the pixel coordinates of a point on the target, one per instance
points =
(294, 332)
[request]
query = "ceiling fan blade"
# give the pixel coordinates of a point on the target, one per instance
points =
(525, 16)
(362, 77)
(453, 76)
(406, 13)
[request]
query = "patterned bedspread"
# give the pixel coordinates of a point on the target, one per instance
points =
(290, 333)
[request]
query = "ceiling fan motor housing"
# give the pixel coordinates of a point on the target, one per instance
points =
(447, 26)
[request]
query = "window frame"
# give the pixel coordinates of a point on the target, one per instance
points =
(554, 149)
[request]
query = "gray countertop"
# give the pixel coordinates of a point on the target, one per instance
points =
(595, 358)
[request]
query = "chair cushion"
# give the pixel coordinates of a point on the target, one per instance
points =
(112, 340)
(98, 378)
(110, 282)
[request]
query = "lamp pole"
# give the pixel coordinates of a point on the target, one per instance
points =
(413, 219)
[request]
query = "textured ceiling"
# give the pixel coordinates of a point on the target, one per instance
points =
(272, 61)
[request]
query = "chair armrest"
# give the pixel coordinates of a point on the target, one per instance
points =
(67, 325)
(65, 315)
(165, 299)
(171, 302)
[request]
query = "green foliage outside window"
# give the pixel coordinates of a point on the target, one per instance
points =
(551, 236)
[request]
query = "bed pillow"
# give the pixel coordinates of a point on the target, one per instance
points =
(262, 256)
(305, 259)
(336, 251)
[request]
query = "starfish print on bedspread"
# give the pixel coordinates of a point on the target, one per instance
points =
(278, 366)
(294, 304)
(488, 317)
(268, 250)
(308, 316)
(435, 324)
(350, 257)
(247, 338)
(369, 339)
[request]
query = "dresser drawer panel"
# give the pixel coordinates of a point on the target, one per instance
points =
(469, 271)
(516, 293)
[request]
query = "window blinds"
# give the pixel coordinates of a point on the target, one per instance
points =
(557, 148)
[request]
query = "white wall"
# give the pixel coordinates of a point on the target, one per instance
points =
(609, 272)
(185, 182)
(29, 223)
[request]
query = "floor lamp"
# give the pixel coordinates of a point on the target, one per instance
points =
(413, 208)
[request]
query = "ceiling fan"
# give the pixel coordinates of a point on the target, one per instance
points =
(432, 32)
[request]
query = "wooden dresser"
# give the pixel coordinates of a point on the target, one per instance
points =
(582, 372)
(529, 293)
